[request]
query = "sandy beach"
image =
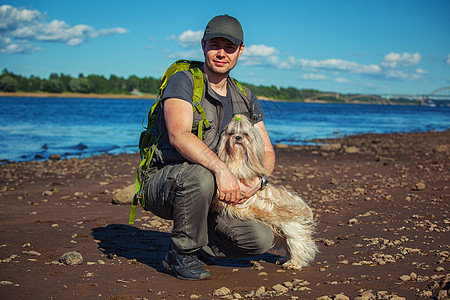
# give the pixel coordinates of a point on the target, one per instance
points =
(381, 203)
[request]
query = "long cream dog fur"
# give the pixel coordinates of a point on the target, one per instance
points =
(290, 218)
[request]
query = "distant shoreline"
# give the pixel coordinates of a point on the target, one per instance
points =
(77, 95)
(153, 96)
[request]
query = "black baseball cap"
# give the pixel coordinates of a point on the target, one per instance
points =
(224, 26)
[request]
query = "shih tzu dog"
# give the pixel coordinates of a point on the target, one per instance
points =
(290, 218)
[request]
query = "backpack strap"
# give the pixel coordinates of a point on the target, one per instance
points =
(197, 76)
(247, 102)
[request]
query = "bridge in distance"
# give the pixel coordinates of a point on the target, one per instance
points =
(439, 96)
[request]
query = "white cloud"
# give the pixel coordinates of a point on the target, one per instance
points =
(402, 75)
(447, 61)
(190, 38)
(196, 54)
(341, 80)
(401, 60)
(312, 76)
(421, 71)
(339, 65)
(171, 38)
(260, 50)
(260, 55)
(20, 27)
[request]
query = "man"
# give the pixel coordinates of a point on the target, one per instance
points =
(186, 173)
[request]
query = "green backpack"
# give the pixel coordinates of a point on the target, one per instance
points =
(149, 138)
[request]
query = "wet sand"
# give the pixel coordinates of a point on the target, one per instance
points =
(381, 202)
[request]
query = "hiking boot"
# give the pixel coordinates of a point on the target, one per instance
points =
(185, 266)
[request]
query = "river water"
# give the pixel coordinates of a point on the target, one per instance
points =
(35, 128)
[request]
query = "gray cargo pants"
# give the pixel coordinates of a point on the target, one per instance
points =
(184, 192)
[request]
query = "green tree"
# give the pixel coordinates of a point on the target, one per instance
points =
(99, 84)
(35, 83)
(80, 85)
(116, 84)
(52, 86)
(65, 79)
(8, 84)
(132, 83)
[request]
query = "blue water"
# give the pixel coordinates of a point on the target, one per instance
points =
(35, 128)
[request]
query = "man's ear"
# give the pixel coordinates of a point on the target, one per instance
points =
(241, 49)
(203, 45)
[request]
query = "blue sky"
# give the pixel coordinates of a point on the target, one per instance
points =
(340, 46)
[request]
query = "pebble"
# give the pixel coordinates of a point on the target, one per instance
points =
(420, 186)
(351, 150)
(32, 252)
(280, 288)
(260, 291)
(71, 258)
(341, 297)
(323, 298)
(352, 221)
(223, 291)
(405, 278)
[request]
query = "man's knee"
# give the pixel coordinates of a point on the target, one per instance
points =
(263, 240)
(199, 179)
(239, 238)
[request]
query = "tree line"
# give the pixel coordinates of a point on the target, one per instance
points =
(97, 84)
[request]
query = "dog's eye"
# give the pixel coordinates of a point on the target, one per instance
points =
(231, 133)
(245, 134)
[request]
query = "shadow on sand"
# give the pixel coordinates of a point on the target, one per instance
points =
(149, 247)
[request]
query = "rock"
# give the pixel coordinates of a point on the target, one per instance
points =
(352, 221)
(405, 278)
(360, 190)
(124, 196)
(325, 147)
(223, 291)
(351, 150)
(366, 295)
(341, 297)
(442, 295)
(335, 146)
(281, 146)
(55, 157)
(323, 298)
(280, 288)
(32, 252)
(419, 186)
(71, 258)
(260, 291)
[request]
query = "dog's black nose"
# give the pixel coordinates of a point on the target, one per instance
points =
(238, 138)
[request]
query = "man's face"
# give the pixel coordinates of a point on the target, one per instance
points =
(221, 55)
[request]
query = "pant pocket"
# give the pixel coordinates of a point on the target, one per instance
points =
(158, 195)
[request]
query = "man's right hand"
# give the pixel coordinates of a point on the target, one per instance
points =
(227, 186)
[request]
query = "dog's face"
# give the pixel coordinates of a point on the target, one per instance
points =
(238, 136)
(241, 143)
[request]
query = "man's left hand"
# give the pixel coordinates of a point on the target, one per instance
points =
(249, 190)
